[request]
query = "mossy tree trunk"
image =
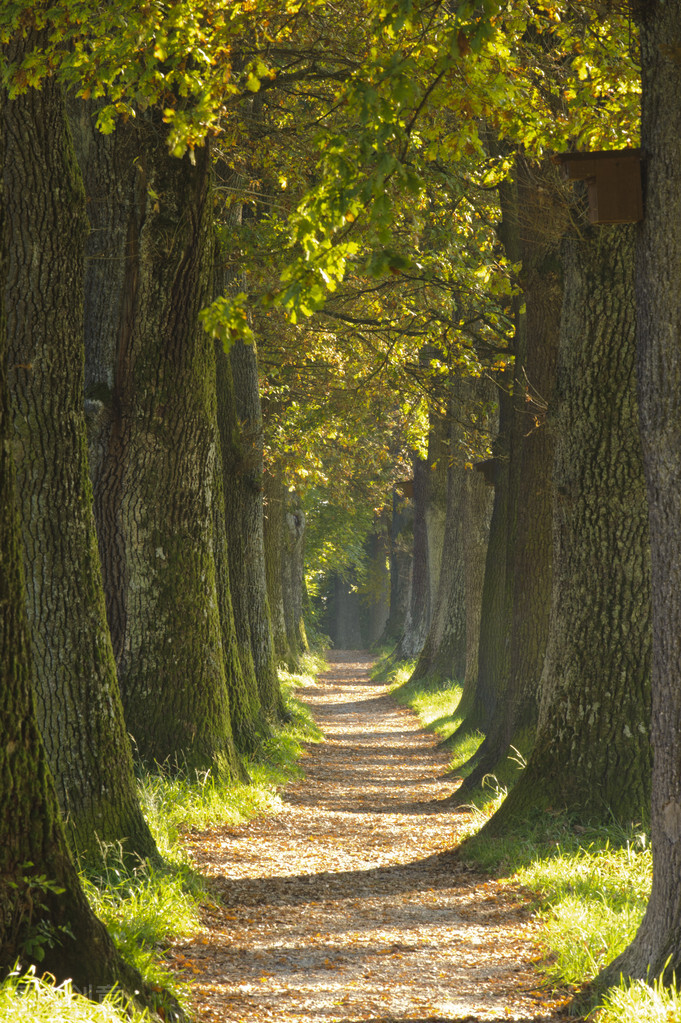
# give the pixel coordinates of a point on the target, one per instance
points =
(242, 448)
(656, 947)
(151, 384)
(592, 751)
(78, 702)
(32, 841)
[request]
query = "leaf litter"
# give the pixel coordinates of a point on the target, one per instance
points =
(348, 905)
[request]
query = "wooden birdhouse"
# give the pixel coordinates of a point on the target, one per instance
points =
(613, 180)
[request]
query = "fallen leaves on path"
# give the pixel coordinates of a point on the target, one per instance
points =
(348, 905)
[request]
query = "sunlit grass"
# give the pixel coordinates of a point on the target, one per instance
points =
(642, 1003)
(149, 906)
(24, 998)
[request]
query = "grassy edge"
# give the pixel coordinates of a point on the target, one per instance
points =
(589, 886)
(149, 907)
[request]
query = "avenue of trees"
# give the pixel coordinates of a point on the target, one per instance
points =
(294, 293)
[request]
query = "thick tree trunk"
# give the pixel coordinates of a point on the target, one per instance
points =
(56, 920)
(78, 703)
(540, 224)
(477, 513)
(150, 380)
(592, 752)
(657, 945)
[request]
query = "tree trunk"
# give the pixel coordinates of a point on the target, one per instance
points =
(244, 363)
(150, 380)
(292, 571)
(418, 613)
(592, 752)
(656, 948)
(49, 926)
(275, 507)
(376, 595)
(444, 653)
(78, 703)
(540, 223)
(401, 554)
(481, 692)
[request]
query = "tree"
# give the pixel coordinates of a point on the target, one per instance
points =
(592, 752)
(77, 698)
(656, 948)
(44, 915)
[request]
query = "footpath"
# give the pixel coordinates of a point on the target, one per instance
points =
(348, 906)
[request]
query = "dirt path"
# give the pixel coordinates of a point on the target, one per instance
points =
(346, 906)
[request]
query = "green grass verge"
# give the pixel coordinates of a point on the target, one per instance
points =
(148, 907)
(590, 885)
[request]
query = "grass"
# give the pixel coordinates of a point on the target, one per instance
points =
(148, 907)
(28, 999)
(589, 885)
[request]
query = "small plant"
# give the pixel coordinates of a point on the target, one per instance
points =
(28, 927)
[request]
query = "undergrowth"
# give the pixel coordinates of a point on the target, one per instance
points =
(148, 906)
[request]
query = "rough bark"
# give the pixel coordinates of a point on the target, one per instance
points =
(539, 224)
(477, 514)
(150, 382)
(592, 751)
(376, 594)
(32, 843)
(657, 945)
(78, 703)
(248, 720)
(244, 363)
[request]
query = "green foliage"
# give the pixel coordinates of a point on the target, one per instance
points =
(25, 998)
(29, 927)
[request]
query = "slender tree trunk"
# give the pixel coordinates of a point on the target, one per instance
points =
(401, 553)
(150, 380)
(481, 692)
(657, 945)
(444, 653)
(376, 598)
(249, 439)
(292, 570)
(78, 703)
(592, 752)
(418, 614)
(275, 510)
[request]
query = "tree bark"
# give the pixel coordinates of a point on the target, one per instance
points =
(592, 751)
(56, 918)
(401, 553)
(540, 220)
(656, 949)
(418, 612)
(78, 703)
(150, 382)
(275, 510)
(250, 439)
(292, 571)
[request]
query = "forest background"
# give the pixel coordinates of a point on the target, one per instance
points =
(293, 290)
